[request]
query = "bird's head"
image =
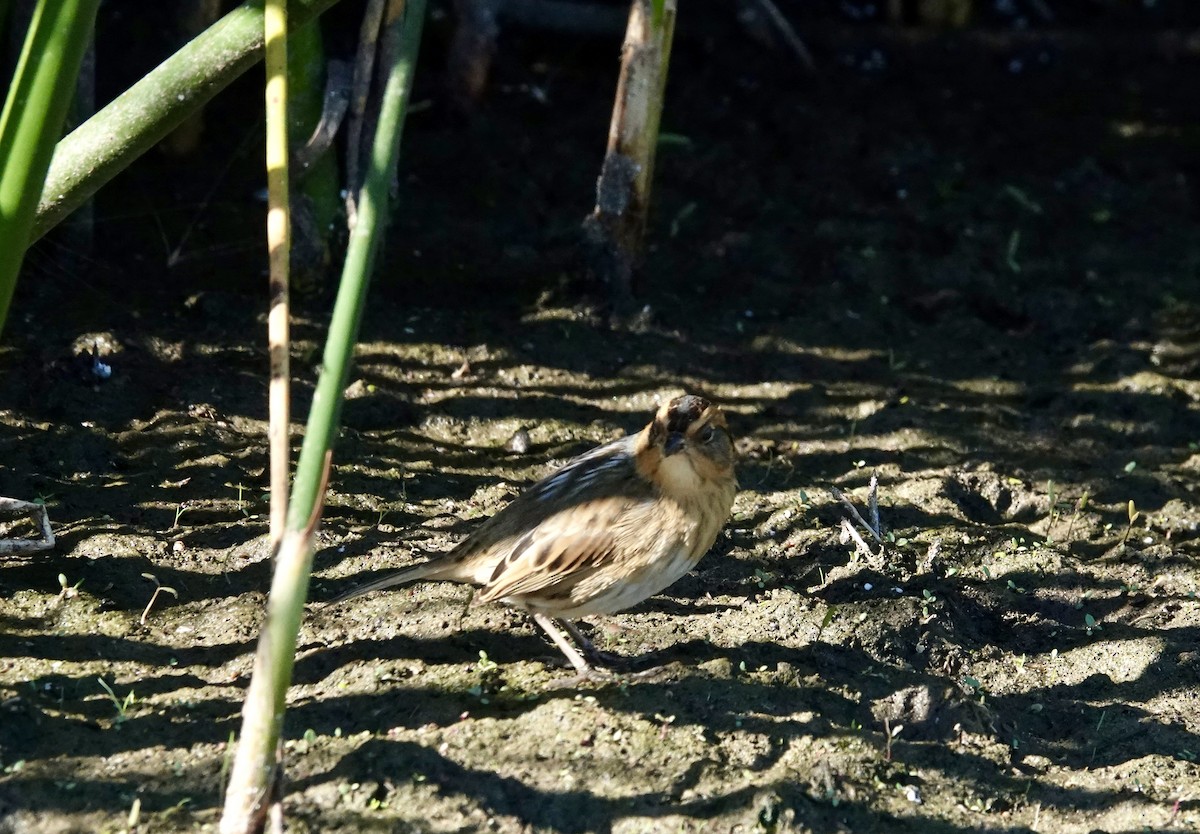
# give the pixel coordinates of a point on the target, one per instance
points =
(686, 445)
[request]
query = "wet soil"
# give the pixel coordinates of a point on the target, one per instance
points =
(974, 280)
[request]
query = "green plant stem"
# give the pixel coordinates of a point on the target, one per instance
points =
(255, 764)
(361, 251)
(34, 112)
(139, 118)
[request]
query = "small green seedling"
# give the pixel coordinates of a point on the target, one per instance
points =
(1134, 515)
(122, 705)
(485, 664)
(1090, 623)
(158, 588)
(67, 591)
(1014, 243)
(889, 733)
(1080, 505)
(830, 613)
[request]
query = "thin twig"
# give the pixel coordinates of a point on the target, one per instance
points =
(364, 69)
(854, 513)
(860, 544)
(873, 506)
(789, 34)
(37, 513)
(333, 110)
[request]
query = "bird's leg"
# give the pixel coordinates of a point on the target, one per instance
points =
(608, 663)
(564, 645)
(597, 656)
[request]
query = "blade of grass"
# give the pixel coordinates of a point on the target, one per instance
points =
(255, 765)
(35, 110)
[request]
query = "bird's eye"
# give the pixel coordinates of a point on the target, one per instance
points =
(707, 434)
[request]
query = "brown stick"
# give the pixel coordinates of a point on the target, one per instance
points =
(617, 226)
(36, 512)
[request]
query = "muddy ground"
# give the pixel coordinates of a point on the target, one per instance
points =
(975, 279)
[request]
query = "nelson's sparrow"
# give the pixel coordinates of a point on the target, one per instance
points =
(607, 530)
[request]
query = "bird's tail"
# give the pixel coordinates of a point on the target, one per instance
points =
(412, 574)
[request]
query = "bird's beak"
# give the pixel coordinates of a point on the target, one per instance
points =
(675, 443)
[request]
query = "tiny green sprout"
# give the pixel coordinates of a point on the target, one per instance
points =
(951, 571)
(1010, 257)
(158, 588)
(859, 464)
(1022, 199)
(1013, 586)
(241, 504)
(683, 214)
(890, 733)
(1134, 515)
(485, 664)
(830, 613)
(761, 577)
(1188, 755)
(1080, 505)
(67, 591)
(986, 572)
(1129, 467)
(1090, 624)
(804, 499)
(973, 683)
(122, 705)
(310, 736)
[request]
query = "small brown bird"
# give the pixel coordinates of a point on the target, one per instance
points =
(607, 530)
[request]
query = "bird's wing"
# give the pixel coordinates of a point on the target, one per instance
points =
(562, 551)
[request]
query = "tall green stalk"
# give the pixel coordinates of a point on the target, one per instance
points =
(139, 118)
(255, 764)
(34, 112)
